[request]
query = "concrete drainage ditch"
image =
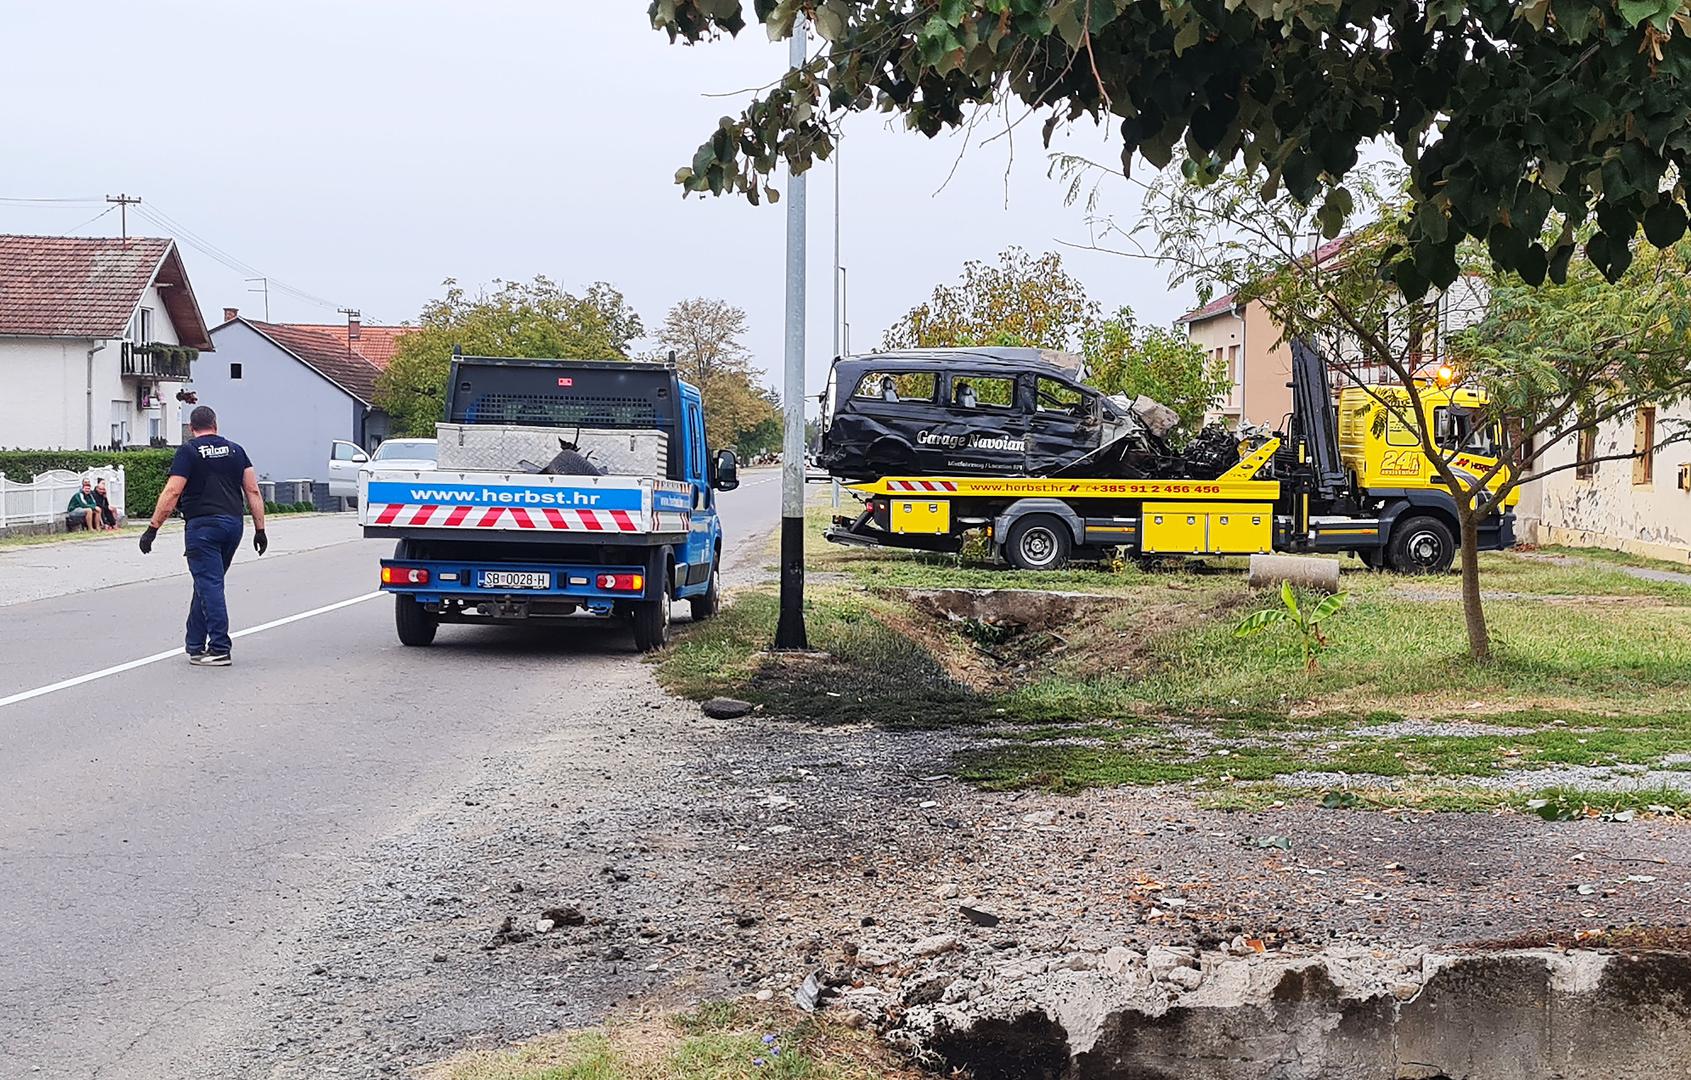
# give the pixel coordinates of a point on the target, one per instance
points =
(1515, 1015)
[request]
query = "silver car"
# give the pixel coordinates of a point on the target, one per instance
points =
(346, 460)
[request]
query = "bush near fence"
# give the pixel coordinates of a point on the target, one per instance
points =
(144, 471)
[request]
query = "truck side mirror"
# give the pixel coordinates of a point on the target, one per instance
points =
(727, 476)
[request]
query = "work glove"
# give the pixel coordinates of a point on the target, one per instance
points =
(147, 539)
(260, 542)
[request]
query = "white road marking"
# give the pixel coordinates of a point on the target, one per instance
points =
(131, 665)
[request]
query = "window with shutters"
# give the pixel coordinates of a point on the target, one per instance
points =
(1644, 446)
(1585, 448)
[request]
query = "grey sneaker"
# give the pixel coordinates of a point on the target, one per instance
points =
(210, 659)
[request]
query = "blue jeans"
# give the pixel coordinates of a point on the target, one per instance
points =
(212, 542)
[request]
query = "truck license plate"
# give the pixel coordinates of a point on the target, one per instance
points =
(515, 579)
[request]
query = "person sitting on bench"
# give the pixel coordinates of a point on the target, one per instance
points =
(83, 512)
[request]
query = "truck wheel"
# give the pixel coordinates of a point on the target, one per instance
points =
(1421, 545)
(651, 620)
(1038, 542)
(711, 602)
(1371, 557)
(415, 623)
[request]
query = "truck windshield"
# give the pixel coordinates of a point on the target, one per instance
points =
(1464, 430)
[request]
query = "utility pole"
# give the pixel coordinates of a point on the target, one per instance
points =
(838, 311)
(264, 288)
(839, 287)
(789, 631)
(124, 201)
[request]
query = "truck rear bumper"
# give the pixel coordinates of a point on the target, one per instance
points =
(466, 585)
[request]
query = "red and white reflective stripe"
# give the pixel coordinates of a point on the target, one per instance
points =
(921, 485)
(520, 517)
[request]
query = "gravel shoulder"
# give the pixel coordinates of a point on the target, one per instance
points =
(717, 858)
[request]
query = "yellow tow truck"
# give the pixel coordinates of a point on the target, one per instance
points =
(1345, 476)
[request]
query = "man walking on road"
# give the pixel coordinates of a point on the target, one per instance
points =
(209, 476)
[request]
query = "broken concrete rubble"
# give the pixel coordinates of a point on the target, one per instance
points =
(1348, 1014)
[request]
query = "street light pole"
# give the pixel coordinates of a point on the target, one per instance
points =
(838, 316)
(789, 631)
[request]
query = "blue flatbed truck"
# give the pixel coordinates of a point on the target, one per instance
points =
(562, 488)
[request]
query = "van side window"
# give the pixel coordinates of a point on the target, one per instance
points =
(1053, 396)
(917, 386)
(982, 392)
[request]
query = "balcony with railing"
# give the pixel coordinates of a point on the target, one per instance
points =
(167, 363)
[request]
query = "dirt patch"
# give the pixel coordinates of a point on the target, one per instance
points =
(1014, 634)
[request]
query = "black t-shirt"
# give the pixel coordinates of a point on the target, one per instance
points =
(214, 468)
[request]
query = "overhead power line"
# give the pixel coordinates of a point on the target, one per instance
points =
(91, 220)
(206, 247)
(151, 211)
(88, 200)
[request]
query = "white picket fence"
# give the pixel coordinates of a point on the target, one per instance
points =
(45, 497)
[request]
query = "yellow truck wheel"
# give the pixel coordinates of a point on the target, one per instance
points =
(1421, 545)
(1038, 542)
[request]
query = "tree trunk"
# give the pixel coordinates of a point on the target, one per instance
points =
(1473, 610)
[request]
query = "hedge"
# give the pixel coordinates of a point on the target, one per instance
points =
(144, 471)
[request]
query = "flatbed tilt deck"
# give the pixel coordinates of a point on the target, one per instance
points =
(1357, 484)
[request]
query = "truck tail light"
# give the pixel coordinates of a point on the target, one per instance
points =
(622, 582)
(404, 575)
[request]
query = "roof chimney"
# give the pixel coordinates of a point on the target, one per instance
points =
(352, 327)
(231, 314)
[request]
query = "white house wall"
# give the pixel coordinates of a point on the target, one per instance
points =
(44, 393)
(280, 410)
(1608, 509)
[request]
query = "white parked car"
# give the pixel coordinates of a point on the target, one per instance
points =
(346, 460)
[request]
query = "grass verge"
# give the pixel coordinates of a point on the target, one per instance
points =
(715, 1042)
(1144, 681)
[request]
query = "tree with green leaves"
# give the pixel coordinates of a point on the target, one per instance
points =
(1021, 300)
(524, 319)
(1124, 358)
(1550, 360)
(1534, 127)
(703, 334)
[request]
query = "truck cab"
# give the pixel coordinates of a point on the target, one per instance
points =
(1386, 454)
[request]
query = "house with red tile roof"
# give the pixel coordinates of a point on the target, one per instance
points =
(99, 341)
(325, 375)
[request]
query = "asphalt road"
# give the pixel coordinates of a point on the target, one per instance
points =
(166, 832)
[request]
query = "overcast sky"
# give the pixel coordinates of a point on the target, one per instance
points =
(363, 152)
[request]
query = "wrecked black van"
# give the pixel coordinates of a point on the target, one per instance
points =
(979, 411)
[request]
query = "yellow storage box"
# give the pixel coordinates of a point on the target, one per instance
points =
(931, 516)
(1207, 528)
